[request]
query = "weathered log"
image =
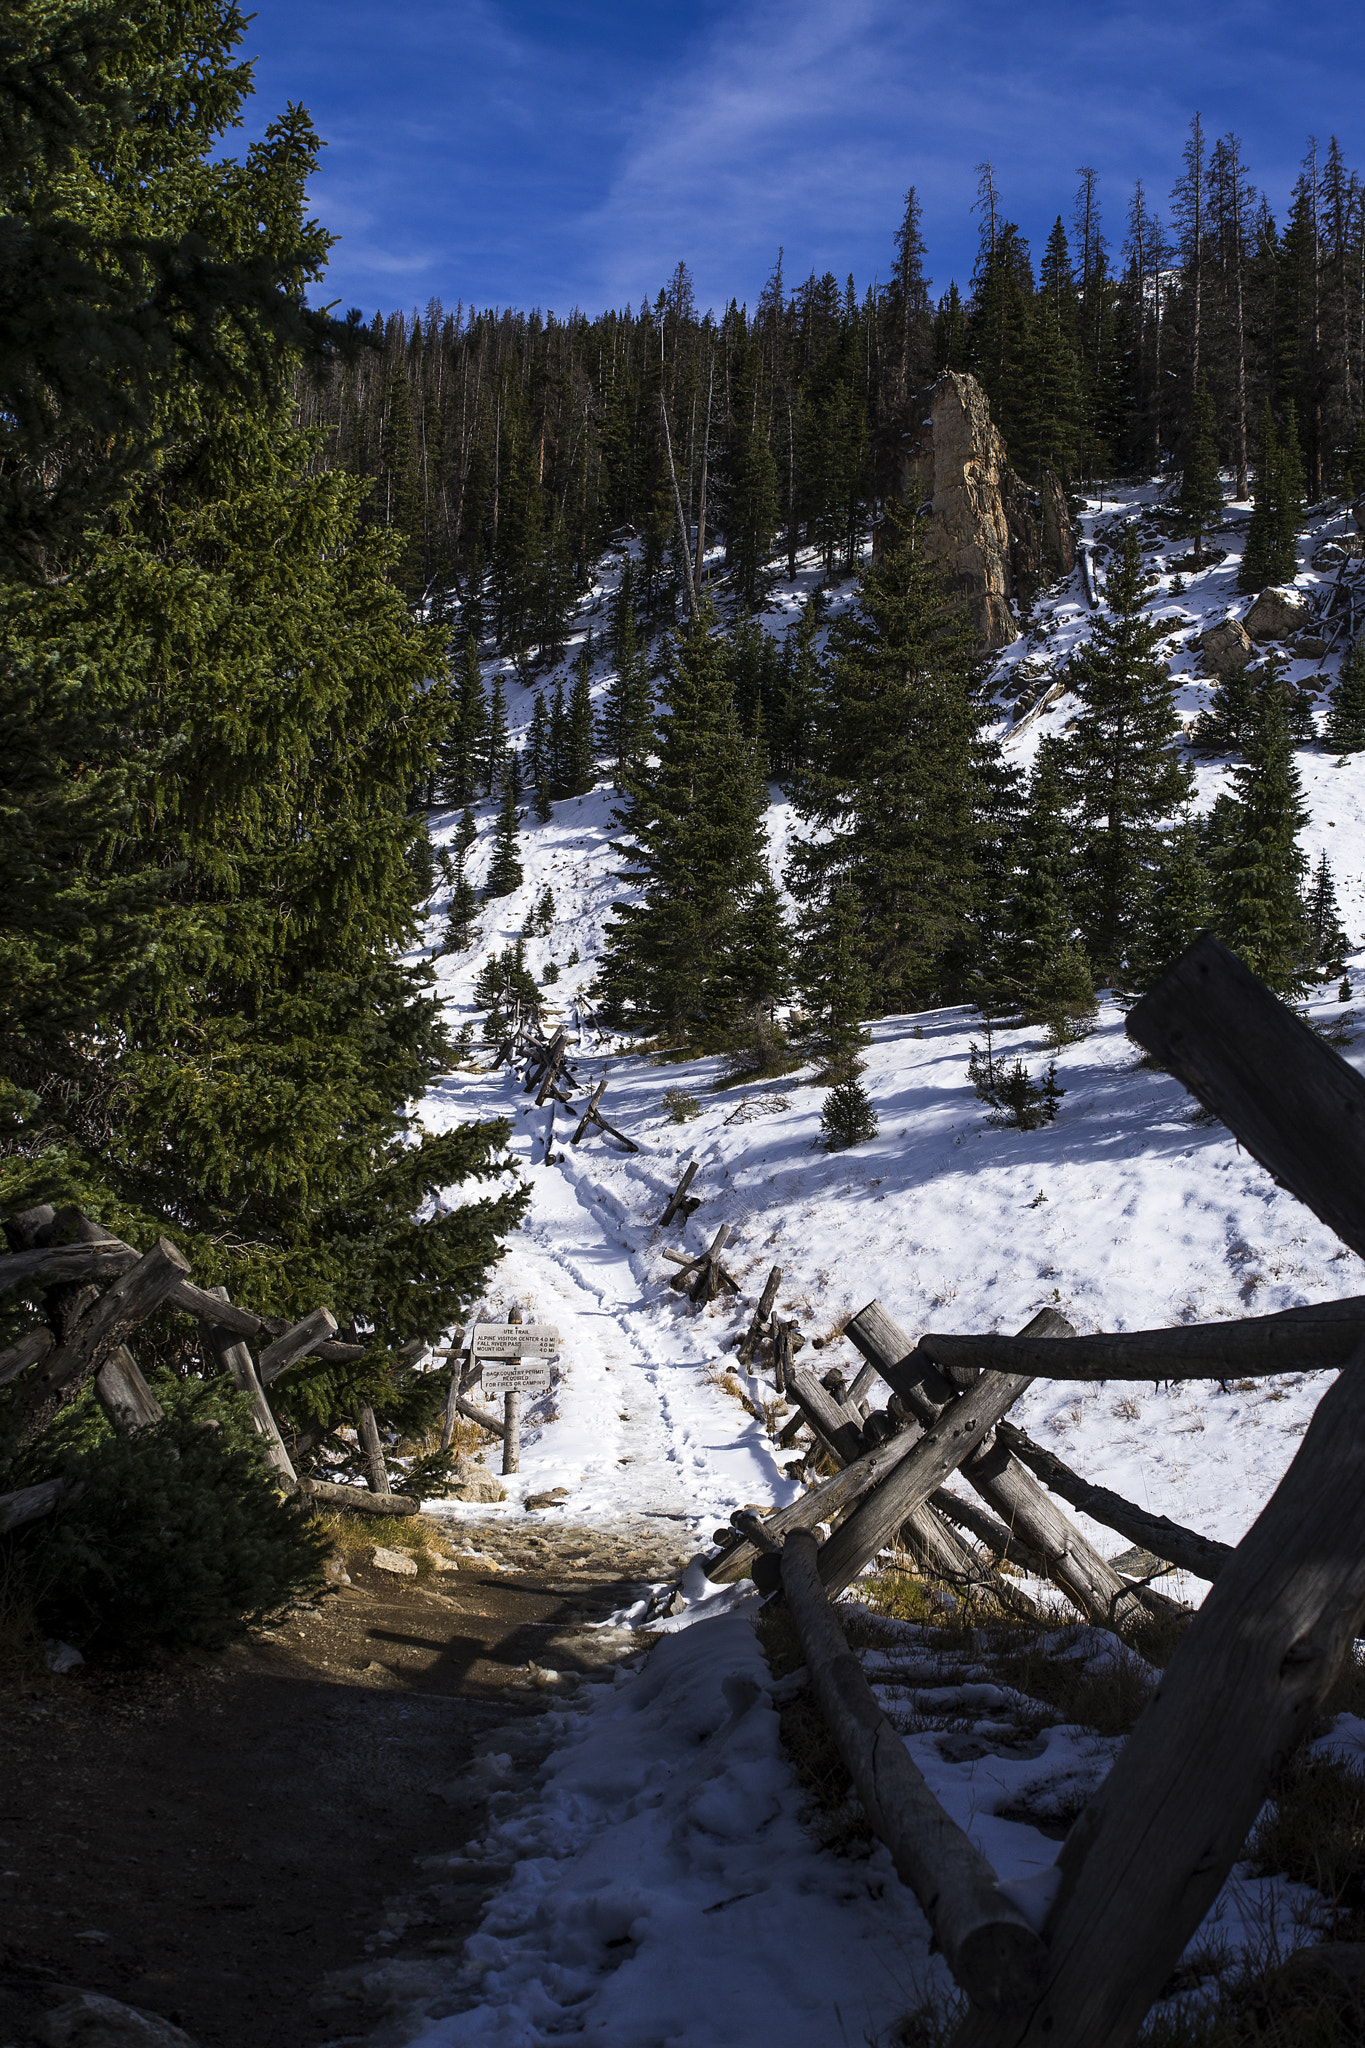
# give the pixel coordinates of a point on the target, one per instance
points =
(358, 1499)
(989, 1946)
(1319, 1338)
(944, 1446)
(590, 1112)
(234, 1359)
(1147, 1857)
(826, 1416)
(753, 1336)
(24, 1352)
(680, 1203)
(367, 1430)
(1071, 1561)
(479, 1415)
(66, 1265)
(988, 1529)
(124, 1395)
(317, 1327)
(1296, 1105)
(30, 1227)
(101, 1330)
(30, 1503)
(459, 1379)
(1163, 1538)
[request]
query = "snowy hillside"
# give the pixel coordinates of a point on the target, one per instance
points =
(663, 1877)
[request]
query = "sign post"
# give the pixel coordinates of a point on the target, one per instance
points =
(519, 1355)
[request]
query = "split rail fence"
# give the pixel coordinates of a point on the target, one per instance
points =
(1145, 1860)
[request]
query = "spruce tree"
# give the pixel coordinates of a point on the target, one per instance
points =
(754, 513)
(580, 767)
(1046, 966)
(460, 932)
(557, 751)
(848, 1117)
(493, 744)
(1269, 555)
(463, 749)
(466, 832)
(626, 726)
(1123, 771)
(1200, 503)
(538, 757)
(504, 870)
(1180, 905)
(678, 961)
(1345, 731)
(891, 783)
(1327, 944)
(1227, 716)
(1260, 867)
(833, 981)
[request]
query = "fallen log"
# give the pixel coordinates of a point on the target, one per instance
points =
(1148, 1856)
(1296, 1105)
(680, 1203)
(357, 1499)
(1319, 1338)
(993, 1953)
(66, 1265)
(24, 1352)
(317, 1327)
(1163, 1538)
(479, 1415)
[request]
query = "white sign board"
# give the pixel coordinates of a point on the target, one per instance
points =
(515, 1340)
(516, 1376)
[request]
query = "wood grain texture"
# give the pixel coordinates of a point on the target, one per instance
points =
(232, 1356)
(1296, 1105)
(29, 1503)
(101, 1330)
(124, 1394)
(65, 1265)
(24, 1352)
(1144, 1862)
(317, 1327)
(989, 1946)
(357, 1499)
(371, 1450)
(1165, 1539)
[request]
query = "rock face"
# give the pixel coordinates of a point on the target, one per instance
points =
(996, 541)
(1224, 648)
(1277, 615)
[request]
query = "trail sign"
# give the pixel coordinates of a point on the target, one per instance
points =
(516, 1376)
(515, 1340)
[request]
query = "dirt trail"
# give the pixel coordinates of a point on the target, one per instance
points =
(238, 1843)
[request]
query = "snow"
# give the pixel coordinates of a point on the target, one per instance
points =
(667, 1834)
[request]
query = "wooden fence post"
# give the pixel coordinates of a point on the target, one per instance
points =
(233, 1357)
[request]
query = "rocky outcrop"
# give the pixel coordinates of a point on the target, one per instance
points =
(1224, 648)
(996, 541)
(1277, 615)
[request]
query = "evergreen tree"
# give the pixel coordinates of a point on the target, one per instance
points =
(1345, 732)
(504, 870)
(494, 742)
(538, 757)
(1226, 718)
(834, 985)
(1259, 865)
(466, 832)
(1201, 487)
(1052, 405)
(580, 767)
(693, 840)
(754, 513)
(1123, 772)
(1047, 968)
(464, 904)
(558, 748)
(505, 979)
(848, 1117)
(1270, 555)
(1180, 905)
(891, 785)
(626, 727)
(462, 749)
(1327, 943)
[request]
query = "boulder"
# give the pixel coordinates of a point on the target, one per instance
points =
(555, 1498)
(92, 2021)
(1277, 615)
(475, 1482)
(399, 1562)
(1224, 648)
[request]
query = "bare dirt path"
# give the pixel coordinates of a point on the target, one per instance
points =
(238, 1843)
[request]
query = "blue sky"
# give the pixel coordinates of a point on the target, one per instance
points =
(509, 153)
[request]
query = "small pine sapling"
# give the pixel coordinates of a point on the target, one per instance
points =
(680, 1105)
(1345, 731)
(1015, 1099)
(848, 1117)
(504, 873)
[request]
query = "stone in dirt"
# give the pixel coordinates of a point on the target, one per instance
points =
(1277, 614)
(996, 541)
(553, 1499)
(92, 2021)
(397, 1561)
(475, 1482)
(1224, 648)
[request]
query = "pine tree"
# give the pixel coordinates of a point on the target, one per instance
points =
(1180, 905)
(848, 1117)
(1327, 944)
(626, 726)
(1123, 773)
(463, 747)
(834, 985)
(538, 757)
(505, 979)
(557, 751)
(504, 870)
(466, 832)
(460, 932)
(1201, 487)
(1345, 731)
(1269, 555)
(1047, 968)
(1259, 865)
(754, 513)
(494, 742)
(580, 767)
(693, 840)
(1052, 405)
(1221, 725)
(891, 785)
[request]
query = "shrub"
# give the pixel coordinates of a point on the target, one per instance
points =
(551, 974)
(1017, 1101)
(179, 1539)
(680, 1105)
(848, 1117)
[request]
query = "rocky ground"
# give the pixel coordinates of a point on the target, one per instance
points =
(261, 1848)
